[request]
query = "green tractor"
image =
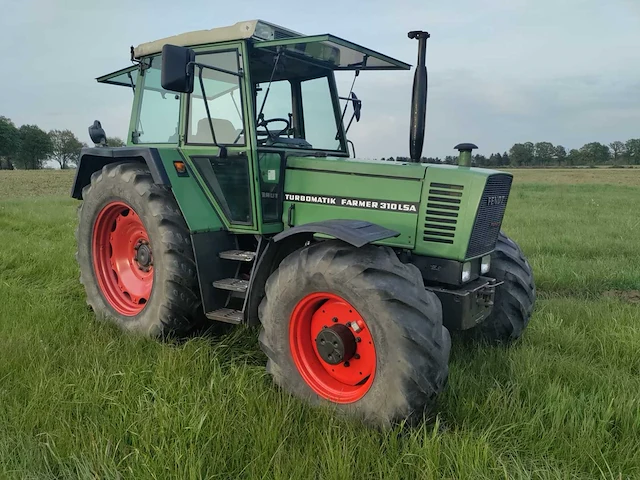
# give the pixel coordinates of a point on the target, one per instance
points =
(236, 201)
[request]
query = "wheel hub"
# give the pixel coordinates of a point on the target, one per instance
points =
(122, 258)
(143, 255)
(332, 347)
(336, 344)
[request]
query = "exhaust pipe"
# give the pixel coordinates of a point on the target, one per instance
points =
(418, 98)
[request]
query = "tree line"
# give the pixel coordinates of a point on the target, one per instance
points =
(30, 148)
(546, 154)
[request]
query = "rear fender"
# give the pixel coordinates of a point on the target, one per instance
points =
(93, 159)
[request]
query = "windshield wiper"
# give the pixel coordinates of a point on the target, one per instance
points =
(260, 117)
(351, 98)
(133, 85)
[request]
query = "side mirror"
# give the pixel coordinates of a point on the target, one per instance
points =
(357, 106)
(96, 132)
(357, 109)
(177, 68)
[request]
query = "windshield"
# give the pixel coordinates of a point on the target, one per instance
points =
(125, 77)
(301, 109)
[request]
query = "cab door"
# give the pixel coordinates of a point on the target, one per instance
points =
(227, 179)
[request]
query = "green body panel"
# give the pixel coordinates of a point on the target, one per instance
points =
(352, 182)
(413, 171)
(473, 181)
(190, 152)
(355, 180)
(198, 211)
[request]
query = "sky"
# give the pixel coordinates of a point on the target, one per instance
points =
(500, 71)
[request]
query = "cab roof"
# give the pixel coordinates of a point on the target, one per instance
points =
(330, 51)
(256, 29)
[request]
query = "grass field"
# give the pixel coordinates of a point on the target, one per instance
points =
(80, 400)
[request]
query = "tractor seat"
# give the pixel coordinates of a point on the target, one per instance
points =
(225, 132)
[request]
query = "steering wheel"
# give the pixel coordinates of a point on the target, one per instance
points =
(273, 136)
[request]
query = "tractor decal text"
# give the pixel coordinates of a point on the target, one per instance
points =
(407, 207)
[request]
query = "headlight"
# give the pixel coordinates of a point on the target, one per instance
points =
(485, 264)
(466, 272)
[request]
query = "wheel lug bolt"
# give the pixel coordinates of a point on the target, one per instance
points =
(356, 356)
(334, 319)
(346, 364)
(358, 339)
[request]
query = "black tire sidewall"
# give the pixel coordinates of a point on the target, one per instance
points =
(514, 299)
(387, 393)
(289, 298)
(109, 189)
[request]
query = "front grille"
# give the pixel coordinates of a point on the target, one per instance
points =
(443, 206)
(490, 213)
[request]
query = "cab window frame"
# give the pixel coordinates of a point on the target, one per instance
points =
(189, 97)
(139, 92)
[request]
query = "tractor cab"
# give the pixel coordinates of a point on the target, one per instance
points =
(242, 99)
(263, 85)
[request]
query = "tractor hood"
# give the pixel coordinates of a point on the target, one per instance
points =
(359, 167)
(433, 207)
(380, 192)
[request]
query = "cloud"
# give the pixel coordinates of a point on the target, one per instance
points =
(501, 71)
(495, 113)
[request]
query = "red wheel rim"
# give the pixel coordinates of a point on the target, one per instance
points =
(122, 258)
(345, 382)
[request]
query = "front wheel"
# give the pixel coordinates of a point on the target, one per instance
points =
(514, 299)
(355, 328)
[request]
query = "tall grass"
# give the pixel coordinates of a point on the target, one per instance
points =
(78, 399)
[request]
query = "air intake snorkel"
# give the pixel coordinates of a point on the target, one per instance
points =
(418, 98)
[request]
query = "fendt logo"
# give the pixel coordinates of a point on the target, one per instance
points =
(496, 200)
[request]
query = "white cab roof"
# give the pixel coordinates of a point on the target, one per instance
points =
(257, 29)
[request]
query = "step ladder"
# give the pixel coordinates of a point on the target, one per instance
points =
(237, 288)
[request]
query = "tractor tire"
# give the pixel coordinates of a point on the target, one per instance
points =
(514, 299)
(393, 353)
(134, 253)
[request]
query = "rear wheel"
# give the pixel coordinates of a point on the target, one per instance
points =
(514, 299)
(134, 252)
(354, 327)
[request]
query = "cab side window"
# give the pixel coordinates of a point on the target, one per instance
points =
(224, 99)
(159, 113)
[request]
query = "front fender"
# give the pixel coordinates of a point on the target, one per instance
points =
(355, 232)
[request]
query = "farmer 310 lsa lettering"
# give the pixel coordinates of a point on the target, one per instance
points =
(237, 199)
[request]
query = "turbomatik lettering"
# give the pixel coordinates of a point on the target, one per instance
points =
(408, 207)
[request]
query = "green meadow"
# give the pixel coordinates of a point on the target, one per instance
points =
(79, 399)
